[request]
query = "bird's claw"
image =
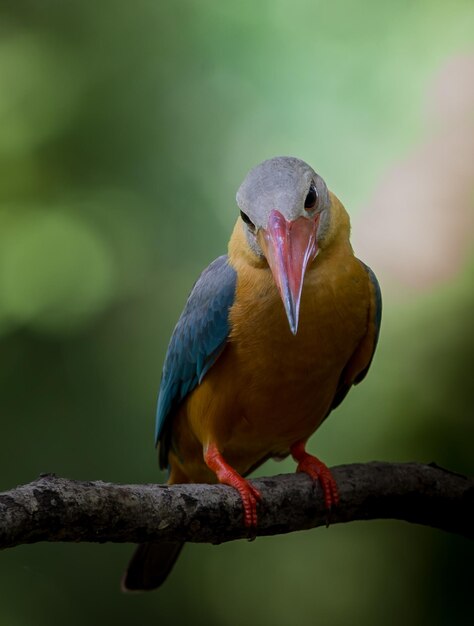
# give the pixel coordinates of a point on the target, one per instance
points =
(250, 497)
(320, 472)
(226, 475)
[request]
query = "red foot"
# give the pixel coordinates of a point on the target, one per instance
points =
(228, 476)
(318, 471)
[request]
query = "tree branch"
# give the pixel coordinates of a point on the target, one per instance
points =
(57, 509)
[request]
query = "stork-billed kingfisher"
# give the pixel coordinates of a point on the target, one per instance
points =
(272, 337)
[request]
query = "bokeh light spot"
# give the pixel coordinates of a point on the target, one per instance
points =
(39, 93)
(56, 272)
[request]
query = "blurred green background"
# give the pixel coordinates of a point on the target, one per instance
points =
(125, 130)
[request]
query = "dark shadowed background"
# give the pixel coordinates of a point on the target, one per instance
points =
(125, 130)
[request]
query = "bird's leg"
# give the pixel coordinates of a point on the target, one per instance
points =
(228, 476)
(318, 471)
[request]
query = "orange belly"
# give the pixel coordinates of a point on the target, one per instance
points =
(269, 388)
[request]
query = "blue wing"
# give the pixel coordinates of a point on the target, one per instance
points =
(197, 341)
(345, 385)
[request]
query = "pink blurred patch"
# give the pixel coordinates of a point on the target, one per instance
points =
(418, 229)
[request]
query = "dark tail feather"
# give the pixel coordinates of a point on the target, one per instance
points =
(150, 565)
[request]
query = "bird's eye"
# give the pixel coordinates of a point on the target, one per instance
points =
(312, 198)
(247, 220)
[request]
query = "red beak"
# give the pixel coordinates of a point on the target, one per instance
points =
(289, 247)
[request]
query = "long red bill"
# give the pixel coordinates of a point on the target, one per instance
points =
(289, 246)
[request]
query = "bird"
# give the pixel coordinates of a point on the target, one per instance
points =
(271, 339)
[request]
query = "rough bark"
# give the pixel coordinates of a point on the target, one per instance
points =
(57, 509)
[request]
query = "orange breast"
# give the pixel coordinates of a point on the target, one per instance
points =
(270, 388)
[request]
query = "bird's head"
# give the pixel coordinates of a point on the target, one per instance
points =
(289, 217)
